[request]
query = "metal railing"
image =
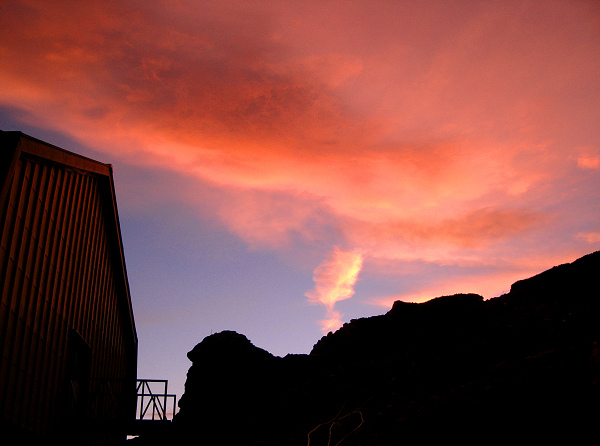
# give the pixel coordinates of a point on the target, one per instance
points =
(152, 399)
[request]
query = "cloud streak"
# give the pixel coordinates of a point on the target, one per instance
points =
(334, 281)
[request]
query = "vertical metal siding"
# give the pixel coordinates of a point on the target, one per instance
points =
(57, 274)
(27, 300)
(10, 284)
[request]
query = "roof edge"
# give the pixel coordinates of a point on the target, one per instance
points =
(42, 149)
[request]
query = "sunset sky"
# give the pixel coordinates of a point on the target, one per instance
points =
(283, 167)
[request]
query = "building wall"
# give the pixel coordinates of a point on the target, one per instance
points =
(65, 313)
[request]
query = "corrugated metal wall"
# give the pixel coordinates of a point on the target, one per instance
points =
(56, 275)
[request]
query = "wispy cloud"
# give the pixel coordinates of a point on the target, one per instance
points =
(334, 281)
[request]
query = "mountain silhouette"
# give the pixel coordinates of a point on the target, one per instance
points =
(524, 366)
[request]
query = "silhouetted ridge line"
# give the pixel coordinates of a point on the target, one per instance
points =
(524, 366)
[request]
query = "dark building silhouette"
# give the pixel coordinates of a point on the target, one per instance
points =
(67, 334)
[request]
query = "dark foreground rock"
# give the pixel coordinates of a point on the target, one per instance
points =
(521, 367)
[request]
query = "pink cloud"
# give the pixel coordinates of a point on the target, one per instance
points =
(334, 281)
(590, 237)
(444, 240)
(273, 219)
(589, 162)
(418, 132)
(489, 286)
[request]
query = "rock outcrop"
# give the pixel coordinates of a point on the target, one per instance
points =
(522, 366)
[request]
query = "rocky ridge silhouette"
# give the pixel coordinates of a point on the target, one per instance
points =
(522, 366)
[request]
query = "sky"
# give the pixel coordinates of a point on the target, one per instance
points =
(283, 167)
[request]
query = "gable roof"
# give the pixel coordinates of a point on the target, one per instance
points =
(15, 145)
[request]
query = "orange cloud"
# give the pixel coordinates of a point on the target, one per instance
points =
(334, 281)
(332, 323)
(589, 162)
(442, 240)
(424, 133)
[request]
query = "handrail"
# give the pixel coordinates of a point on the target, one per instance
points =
(151, 400)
